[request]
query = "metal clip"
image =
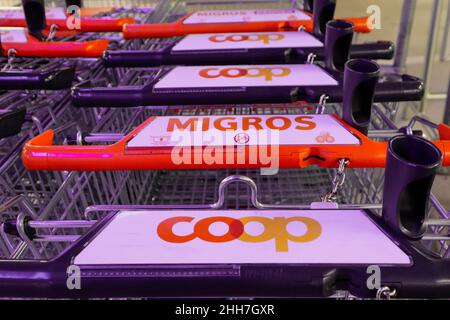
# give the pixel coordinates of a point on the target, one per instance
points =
(11, 56)
(322, 104)
(311, 58)
(386, 293)
(337, 182)
(52, 33)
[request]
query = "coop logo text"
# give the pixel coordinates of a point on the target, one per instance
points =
(264, 38)
(274, 229)
(251, 72)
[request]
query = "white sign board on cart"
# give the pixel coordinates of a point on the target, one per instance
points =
(247, 40)
(13, 35)
(246, 15)
(243, 237)
(249, 130)
(300, 75)
(17, 13)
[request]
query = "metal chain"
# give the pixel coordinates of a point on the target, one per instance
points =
(337, 182)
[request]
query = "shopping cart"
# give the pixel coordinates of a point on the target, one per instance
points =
(61, 18)
(40, 187)
(103, 273)
(26, 114)
(255, 48)
(336, 184)
(78, 199)
(219, 21)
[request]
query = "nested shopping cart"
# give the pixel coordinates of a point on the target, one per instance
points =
(70, 217)
(43, 226)
(25, 113)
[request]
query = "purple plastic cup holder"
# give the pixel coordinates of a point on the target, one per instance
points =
(338, 40)
(34, 11)
(360, 79)
(411, 165)
(78, 3)
(415, 150)
(363, 66)
(309, 5)
(323, 11)
(340, 24)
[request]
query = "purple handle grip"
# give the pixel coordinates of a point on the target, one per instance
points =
(34, 80)
(148, 58)
(411, 165)
(107, 97)
(139, 58)
(379, 50)
(410, 88)
(123, 97)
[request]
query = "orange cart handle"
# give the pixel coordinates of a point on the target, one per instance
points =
(86, 24)
(178, 28)
(40, 154)
(94, 24)
(36, 48)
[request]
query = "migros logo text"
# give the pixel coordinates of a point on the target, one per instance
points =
(268, 73)
(273, 229)
(264, 38)
(204, 124)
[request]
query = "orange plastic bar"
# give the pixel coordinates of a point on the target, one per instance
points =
(86, 24)
(164, 30)
(40, 154)
(36, 48)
